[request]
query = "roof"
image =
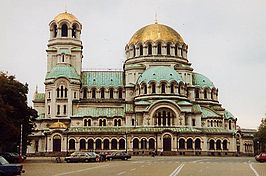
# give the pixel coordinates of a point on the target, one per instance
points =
(39, 97)
(65, 16)
(228, 115)
(102, 78)
(201, 81)
(62, 71)
(208, 113)
(156, 32)
(159, 73)
(100, 112)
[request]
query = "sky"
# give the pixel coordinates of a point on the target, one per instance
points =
(226, 39)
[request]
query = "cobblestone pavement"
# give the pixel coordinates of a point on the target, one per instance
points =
(149, 166)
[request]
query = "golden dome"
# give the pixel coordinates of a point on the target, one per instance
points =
(155, 32)
(65, 16)
(58, 125)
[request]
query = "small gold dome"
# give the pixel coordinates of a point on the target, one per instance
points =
(155, 32)
(58, 125)
(65, 16)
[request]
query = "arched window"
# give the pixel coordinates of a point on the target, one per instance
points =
(98, 144)
(57, 92)
(211, 123)
(211, 144)
(144, 89)
(106, 144)
(114, 144)
(230, 125)
(119, 122)
(153, 87)
(225, 145)
(55, 31)
(168, 47)
(74, 31)
(159, 49)
(85, 90)
(82, 144)
(176, 50)
(181, 144)
(102, 92)
(87, 122)
(90, 144)
(71, 144)
(143, 144)
(172, 88)
(149, 49)
(122, 145)
(62, 91)
(93, 93)
(189, 144)
(197, 144)
(218, 145)
(120, 93)
(140, 50)
(64, 30)
(163, 88)
(58, 109)
(135, 143)
(64, 109)
(111, 93)
(151, 143)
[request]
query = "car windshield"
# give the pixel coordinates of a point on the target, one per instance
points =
(3, 161)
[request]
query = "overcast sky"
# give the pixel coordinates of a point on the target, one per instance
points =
(226, 41)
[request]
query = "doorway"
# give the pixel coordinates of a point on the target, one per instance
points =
(57, 143)
(167, 142)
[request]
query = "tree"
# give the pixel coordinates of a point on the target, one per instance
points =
(14, 111)
(260, 136)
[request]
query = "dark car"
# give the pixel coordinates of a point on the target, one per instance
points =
(261, 157)
(118, 155)
(81, 157)
(12, 157)
(7, 169)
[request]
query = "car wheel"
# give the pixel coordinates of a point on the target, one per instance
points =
(126, 158)
(110, 159)
(86, 160)
(68, 161)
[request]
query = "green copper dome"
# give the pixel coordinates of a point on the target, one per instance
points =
(159, 73)
(228, 115)
(62, 71)
(201, 81)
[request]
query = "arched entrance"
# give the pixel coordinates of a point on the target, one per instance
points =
(167, 142)
(57, 143)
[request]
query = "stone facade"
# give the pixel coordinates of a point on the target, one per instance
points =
(157, 102)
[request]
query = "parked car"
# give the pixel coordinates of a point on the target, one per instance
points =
(12, 157)
(94, 157)
(261, 157)
(118, 155)
(81, 157)
(7, 169)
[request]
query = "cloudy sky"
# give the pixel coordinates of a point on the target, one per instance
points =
(226, 39)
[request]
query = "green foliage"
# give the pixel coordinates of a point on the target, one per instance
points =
(261, 135)
(14, 111)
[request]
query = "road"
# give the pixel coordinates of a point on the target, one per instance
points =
(149, 166)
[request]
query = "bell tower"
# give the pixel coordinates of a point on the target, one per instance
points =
(64, 62)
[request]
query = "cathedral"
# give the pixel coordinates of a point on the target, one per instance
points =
(157, 102)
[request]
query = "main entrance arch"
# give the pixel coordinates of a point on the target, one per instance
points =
(167, 142)
(57, 143)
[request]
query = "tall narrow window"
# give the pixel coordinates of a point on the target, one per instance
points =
(65, 92)
(55, 31)
(93, 93)
(74, 31)
(75, 94)
(49, 109)
(140, 50)
(172, 88)
(111, 93)
(230, 125)
(153, 88)
(205, 94)
(149, 49)
(134, 51)
(120, 93)
(176, 49)
(168, 47)
(57, 92)
(144, 89)
(193, 122)
(163, 88)
(58, 109)
(65, 109)
(64, 30)
(102, 92)
(62, 91)
(85, 93)
(159, 49)
(63, 58)
(196, 93)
